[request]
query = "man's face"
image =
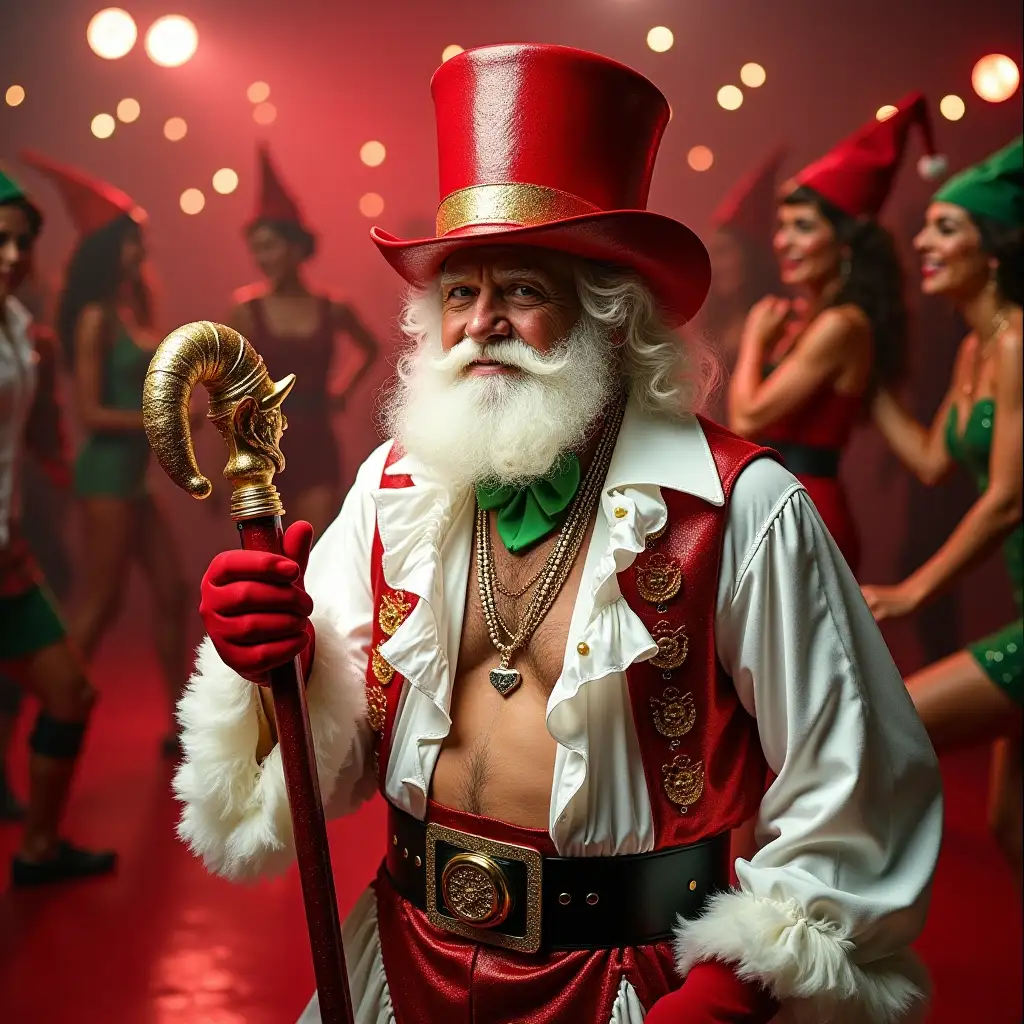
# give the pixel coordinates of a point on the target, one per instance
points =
(490, 295)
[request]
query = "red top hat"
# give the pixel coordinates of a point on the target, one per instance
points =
(92, 204)
(274, 202)
(749, 207)
(857, 174)
(553, 147)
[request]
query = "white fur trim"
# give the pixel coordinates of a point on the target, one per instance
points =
(805, 963)
(932, 168)
(235, 813)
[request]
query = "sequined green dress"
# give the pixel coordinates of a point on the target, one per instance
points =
(1001, 655)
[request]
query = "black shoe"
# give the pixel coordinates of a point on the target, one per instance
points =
(69, 864)
(10, 808)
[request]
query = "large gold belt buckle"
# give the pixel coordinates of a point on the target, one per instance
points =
(476, 892)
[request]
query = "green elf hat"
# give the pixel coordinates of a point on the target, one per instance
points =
(994, 188)
(12, 193)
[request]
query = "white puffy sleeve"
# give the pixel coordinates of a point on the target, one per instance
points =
(235, 810)
(849, 831)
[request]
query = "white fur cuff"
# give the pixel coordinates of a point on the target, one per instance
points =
(235, 813)
(805, 963)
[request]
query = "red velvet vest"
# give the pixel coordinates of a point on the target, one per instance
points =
(700, 748)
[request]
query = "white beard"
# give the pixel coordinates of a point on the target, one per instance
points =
(501, 429)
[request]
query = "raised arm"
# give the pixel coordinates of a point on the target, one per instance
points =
(922, 449)
(347, 321)
(818, 357)
(91, 337)
(850, 829)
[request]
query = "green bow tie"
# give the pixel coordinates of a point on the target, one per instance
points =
(528, 514)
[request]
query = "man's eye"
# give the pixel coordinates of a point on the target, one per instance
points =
(460, 291)
(524, 291)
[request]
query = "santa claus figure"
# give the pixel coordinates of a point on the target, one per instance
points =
(565, 627)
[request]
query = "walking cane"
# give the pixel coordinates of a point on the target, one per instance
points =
(245, 406)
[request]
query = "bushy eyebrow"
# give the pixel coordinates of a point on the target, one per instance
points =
(503, 273)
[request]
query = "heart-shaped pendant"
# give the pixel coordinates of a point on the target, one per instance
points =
(505, 680)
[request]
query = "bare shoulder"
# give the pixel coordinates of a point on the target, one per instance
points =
(248, 292)
(91, 322)
(845, 321)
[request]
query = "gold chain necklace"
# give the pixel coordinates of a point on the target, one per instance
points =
(553, 573)
(999, 324)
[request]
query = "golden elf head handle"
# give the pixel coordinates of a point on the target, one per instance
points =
(245, 406)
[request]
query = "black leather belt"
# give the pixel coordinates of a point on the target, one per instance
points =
(512, 896)
(807, 459)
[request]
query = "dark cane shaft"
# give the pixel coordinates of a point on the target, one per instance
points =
(312, 851)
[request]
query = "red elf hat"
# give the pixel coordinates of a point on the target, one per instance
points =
(274, 202)
(749, 207)
(857, 174)
(553, 147)
(92, 204)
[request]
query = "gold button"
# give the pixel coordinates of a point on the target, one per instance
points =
(405, 852)
(582, 649)
(693, 885)
(592, 899)
(621, 513)
(564, 898)
(418, 861)
(394, 840)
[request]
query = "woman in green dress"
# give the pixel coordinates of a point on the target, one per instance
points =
(105, 323)
(970, 251)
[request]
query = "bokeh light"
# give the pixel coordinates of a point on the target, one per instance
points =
(192, 201)
(103, 126)
(952, 107)
(995, 77)
(171, 41)
(111, 33)
(730, 97)
(883, 113)
(753, 76)
(660, 39)
(265, 113)
(128, 110)
(453, 50)
(372, 153)
(258, 92)
(700, 158)
(225, 181)
(15, 96)
(371, 205)
(175, 129)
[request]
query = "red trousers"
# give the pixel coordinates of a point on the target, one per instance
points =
(434, 976)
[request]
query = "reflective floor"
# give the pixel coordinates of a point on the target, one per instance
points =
(165, 943)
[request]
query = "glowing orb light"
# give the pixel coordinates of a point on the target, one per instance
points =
(111, 33)
(258, 92)
(752, 75)
(660, 39)
(171, 41)
(225, 181)
(372, 153)
(450, 51)
(995, 77)
(103, 126)
(15, 96)
(371, 205)
(175, 129)
(952, 107)
(700, 158)
(128, 110)
(265, 113)
(192, 201)
(730, 97)
(883, 113)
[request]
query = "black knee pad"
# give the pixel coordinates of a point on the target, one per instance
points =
(11, 696)
(53, 738)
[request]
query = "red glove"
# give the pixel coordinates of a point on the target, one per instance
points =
(712, 994)
(255, 606)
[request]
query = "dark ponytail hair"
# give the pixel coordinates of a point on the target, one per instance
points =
(875, 283)
(94, 276)
(1004, 242)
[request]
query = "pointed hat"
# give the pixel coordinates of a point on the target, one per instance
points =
(994, 188)
(274, 202)
(749, 206)
(92, 204)
(857, 174)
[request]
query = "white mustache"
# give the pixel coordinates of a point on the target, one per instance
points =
(512, 352)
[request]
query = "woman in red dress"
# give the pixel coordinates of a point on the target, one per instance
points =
(296, 330)
(807, 365)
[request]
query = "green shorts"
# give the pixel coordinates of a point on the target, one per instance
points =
(28, 623)
(1001, 657)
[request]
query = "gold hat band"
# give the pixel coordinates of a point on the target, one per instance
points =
(508, 203)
